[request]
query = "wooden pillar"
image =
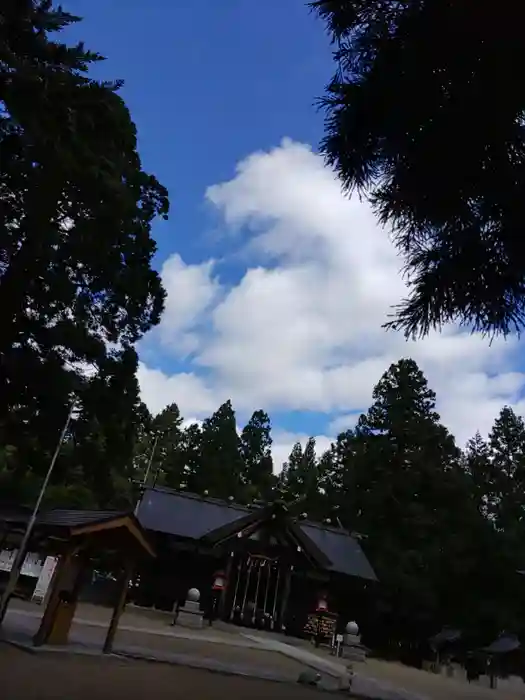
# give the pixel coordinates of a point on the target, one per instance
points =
(228, 572)
(286, 595)
(119, 605)
(56, 621)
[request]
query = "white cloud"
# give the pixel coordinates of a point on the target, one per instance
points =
(301, 330)
(191, 291)
(283, 442)
(188, 391)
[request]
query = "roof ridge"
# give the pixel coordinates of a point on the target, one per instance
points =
(190, 495)
(329, 528)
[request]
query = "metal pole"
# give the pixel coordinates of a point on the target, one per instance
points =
(254, 615)
(148, 468)
(239, 570)
(14, 574)
(274, 611)
(269, 563)
(248, 576)
(146, 475)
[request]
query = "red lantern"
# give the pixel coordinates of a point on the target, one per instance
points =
(322, 604)
(219, 581)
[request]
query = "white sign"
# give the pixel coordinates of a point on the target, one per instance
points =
(338, 638)
(32, 565)
(44, 580)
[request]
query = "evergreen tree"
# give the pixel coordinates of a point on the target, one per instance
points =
(300, 478)
(95, 464)
(220, 467)
(195, 477)
(169, 458)
(405, 490)
(256, 451)
(289, 484)
(409, 125)
(507, 448)
(478, 465)
(76, 250)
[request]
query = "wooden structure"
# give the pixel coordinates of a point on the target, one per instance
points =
(77, 537)
(274, 562)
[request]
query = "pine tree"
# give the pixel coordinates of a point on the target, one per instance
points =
(406, 492)
(288, 478)
(478, 465)
(105, 433)
(300, 479)
(220, 469)
(76, 250)
(194, 477)
(169, 460)
(409, 126)
(507, 451)
(256, 451)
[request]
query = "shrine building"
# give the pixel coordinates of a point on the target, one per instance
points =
(260, 566)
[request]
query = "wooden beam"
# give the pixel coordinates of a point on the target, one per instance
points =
(119, 605)
(286, 595)
(53, 603)
(125, 522)
(109, 524)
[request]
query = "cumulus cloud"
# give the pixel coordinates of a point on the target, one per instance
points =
(284, 440)
(191, 291)
(301, 330)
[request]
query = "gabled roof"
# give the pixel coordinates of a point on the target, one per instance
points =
(448, 635)
(274, 513)
(343, 550)
(70, 523)
(185, 515)
(193, 517)
(503, 645)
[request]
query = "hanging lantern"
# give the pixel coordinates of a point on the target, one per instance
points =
(322, 604)
(219, 581)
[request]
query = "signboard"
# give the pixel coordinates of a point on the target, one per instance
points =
(32, 565)
(320, 625)
(44, 580)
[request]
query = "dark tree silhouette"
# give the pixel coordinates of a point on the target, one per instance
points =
(425, 117)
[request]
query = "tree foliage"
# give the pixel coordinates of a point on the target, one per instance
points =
(77, 289)
(435, 138)
(256, 453)
(443, 527)
(220, 465)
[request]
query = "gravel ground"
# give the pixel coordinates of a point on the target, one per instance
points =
(401, 677)
(26, 676)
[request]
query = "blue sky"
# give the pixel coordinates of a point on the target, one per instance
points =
(271, 243)
(207, 83)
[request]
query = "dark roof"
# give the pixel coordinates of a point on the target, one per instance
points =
(78, 518)
(277, 514)
(503, 645)
(448, 635)
(342, 549)
(67, 523)
(185, 515)
(59, 517)
(193, 517)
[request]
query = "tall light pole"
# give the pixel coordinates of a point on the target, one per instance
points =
(14, 574)
(146, 474)
(150, 460)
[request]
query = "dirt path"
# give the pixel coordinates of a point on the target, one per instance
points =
(46, 677)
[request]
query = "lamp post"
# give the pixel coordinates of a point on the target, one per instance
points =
(146, 474)
(14, 574)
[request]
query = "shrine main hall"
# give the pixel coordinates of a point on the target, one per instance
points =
(262, 566)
